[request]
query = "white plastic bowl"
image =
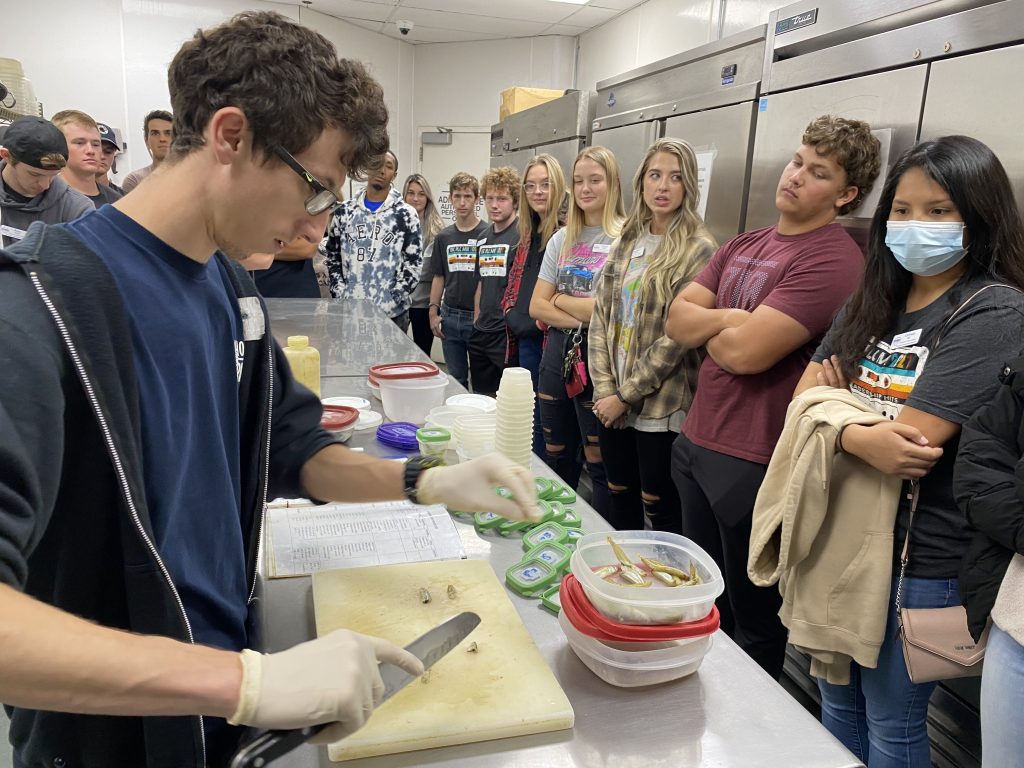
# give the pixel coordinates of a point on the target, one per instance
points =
(618, 664)
(412, 399)
(657, 604)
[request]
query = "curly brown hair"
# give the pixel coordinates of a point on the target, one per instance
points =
(286, 78)
(503, 179)
(851, 145)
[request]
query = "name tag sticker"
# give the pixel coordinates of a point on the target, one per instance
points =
(906, 339)
(602, 248)
(253, 323)
(637, 252)
(12, 232)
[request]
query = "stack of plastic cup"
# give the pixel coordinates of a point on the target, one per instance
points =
(475, 435)
(514, 423)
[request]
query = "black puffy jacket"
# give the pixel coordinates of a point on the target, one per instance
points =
(988, 481)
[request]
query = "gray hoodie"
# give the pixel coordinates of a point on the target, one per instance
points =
(56, 205)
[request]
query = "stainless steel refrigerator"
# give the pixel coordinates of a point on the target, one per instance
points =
(706, 96)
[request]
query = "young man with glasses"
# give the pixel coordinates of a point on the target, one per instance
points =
(373, 249)
(146, 415)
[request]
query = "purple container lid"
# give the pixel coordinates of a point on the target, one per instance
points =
(399, 434)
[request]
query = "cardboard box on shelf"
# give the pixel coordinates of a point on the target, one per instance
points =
(518, 98)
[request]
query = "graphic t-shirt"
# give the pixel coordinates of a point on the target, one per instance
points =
(807, 277)
(494, 256)
(454, 257)
(575, 273)
(949, 380)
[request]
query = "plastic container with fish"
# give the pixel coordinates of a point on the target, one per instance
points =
(657, 603)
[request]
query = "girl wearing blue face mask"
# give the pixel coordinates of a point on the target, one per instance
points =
(946, 238)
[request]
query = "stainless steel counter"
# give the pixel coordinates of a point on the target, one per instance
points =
(729, 713)
(350, 335)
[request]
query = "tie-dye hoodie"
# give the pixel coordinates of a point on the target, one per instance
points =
(375, 255)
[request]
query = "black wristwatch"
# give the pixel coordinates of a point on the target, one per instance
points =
(413, 468)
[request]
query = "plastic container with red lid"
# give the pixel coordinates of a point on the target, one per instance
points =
(629, 663)
(410, 370)
(592, 623)
(339, 420)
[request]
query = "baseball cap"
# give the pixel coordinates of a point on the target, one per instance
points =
(108, 135)
(37, 142)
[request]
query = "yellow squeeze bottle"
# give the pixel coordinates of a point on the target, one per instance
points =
(304, 361)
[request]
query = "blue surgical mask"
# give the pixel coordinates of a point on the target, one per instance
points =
(926, 248)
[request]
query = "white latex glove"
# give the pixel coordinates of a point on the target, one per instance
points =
(472, 487)
(333, 679)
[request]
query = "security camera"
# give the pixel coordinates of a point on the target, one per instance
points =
(404, 26)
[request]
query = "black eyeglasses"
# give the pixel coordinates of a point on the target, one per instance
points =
(322, 199)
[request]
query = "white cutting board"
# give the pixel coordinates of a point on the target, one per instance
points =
(504, 689)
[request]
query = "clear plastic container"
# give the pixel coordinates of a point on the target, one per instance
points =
(433, 441)
(340, 420)
(480, 402)
(411, 399)
(657, 604)
(304, 361)
(629, 665)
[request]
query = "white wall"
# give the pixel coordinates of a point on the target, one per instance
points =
(109, 57)
(72, 54)
(658, 29)
(457, 85)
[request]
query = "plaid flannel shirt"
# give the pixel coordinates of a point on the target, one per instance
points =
(662, 374)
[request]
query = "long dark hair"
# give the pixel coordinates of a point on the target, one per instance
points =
(977, 183)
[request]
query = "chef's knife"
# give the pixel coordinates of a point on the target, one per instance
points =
(428, 648)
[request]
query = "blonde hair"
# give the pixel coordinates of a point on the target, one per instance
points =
(503, 179)
(548, 223)
(687, 237)
(73, 117)
(463, 180)
(614, 212)
(431, 221)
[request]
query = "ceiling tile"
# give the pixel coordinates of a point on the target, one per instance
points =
(465, 22)
(565, 29)
(590, 17)
(354, 9)
(532, 10)
(373, 26)
(437, 35)
(617, 5)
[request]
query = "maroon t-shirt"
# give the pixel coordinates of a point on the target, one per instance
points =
(807, 277)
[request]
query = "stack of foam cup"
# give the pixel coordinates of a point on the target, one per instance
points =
(514, 416)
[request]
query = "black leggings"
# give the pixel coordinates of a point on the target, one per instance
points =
(639, 465)
(421, 333)
(717, 494)
(569, 423)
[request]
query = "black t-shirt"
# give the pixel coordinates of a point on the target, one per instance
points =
(455, 257)
(949, 380)
(495, 252)
(104, 196)
(288, 280)
(11, 193)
